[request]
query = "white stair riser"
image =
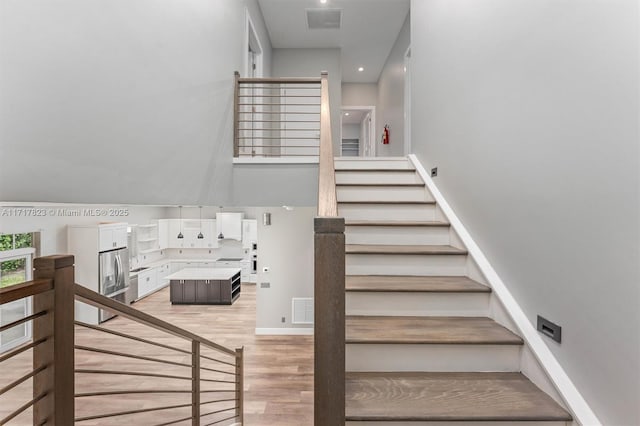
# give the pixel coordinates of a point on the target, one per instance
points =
(398, 235)
(417, 304)
(381, 264)
(423, 212)
(387, 164)
(439, 423)
(426, 357)
(377, 177)
(382, 193)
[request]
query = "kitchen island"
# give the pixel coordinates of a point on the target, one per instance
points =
(205, 286)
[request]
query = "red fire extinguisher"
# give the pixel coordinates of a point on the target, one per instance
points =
(385, 135)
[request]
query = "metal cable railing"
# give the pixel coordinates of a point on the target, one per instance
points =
(277, 117)
(106, 375)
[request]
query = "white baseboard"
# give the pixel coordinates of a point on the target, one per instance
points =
(573, 399)
(284, 331)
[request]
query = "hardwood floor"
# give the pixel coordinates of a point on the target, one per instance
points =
(278, 369)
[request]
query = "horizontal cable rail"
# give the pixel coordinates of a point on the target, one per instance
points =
(85, 295)
(10, 295)
(225, 381)
(277, 117)
(141, 361)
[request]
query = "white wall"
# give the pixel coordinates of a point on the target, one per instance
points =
(529, 108)
(286, 248)
(391, 96)
(350, 131)
(359, 94)
(121, 102)
(309, 63)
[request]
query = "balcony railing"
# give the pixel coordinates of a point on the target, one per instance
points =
(138, 379)
(277, 117)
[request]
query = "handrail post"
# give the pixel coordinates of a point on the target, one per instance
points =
(236, 115)
(240, 384)
(329, 322)
(57, 353)
(195, 383)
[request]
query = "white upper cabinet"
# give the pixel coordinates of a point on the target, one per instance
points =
(112, 236)
(249, 233)
(229, 226)
(190, 229)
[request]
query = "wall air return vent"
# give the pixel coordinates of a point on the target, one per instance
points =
(324, 19)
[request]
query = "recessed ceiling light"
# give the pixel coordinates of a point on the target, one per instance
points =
(346, 113)
(323, 1)
(361, 69)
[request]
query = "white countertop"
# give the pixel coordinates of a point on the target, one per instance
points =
(203, 274)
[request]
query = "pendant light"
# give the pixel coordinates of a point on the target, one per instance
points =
(180, 236)
(200, 236)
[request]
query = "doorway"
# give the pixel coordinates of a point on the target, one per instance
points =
(358, 131)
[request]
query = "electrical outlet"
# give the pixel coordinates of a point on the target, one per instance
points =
(434, 172)
(265, 285)
(283, 319)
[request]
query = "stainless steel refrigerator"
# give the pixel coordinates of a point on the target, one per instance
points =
(113, 278)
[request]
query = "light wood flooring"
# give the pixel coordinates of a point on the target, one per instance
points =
(278, 369)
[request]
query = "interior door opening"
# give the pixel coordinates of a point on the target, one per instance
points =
(358, 131)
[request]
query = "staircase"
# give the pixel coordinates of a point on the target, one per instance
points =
(421, 348)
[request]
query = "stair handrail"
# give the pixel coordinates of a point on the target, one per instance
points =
(53, 343)
(327, 200)
(329, 279)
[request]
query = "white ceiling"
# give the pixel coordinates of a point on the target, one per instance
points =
(369, 30)
(354, 117)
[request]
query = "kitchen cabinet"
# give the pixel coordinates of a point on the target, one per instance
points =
(205, 286)
(249, 233)
(147, 282)
(163, 271)
(112, 236)
(229, 226)
(163, 233)
(147, 238)
(190, 229)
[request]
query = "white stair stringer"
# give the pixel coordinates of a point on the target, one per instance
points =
(417, 303)
(392, 235)
(431, 357)
(537, 362)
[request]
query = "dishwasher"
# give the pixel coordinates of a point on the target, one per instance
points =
(132, 293)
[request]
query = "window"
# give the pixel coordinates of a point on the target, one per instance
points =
(16, 258)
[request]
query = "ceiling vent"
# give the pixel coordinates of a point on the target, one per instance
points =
(324, 19)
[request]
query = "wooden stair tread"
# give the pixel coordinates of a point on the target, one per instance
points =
(374, 169)
(448, 397)
(403, 249)
(389, 202)
(399, 283)
(395, 223)
(427, 330)
(413, 184)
